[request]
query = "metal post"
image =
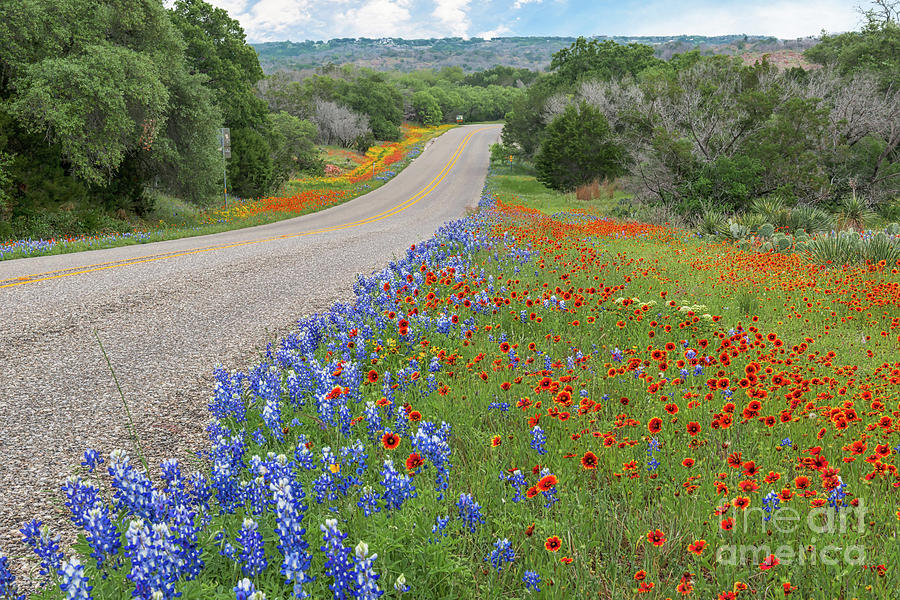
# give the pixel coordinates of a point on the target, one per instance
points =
(225, 145)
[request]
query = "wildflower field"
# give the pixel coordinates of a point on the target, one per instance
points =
(532, 405)
(299, 197)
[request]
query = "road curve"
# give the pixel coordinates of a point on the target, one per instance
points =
(168, 312)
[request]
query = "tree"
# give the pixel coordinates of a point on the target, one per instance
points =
(593, 59)
(251, 172)
(579, 148)
(96, 87)
(427, 109)
(293, 147)
(338, 124)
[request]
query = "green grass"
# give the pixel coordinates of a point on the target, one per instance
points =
(517, 184)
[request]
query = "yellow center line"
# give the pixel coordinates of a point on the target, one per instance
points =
(155, 257)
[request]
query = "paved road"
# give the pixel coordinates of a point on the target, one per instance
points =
(168, 312)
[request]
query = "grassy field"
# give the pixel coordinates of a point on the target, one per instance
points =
(516, 185)
(543, 406)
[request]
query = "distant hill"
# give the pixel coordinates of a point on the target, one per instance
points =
(476, 54)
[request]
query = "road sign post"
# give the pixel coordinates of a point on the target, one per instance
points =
(225, 149)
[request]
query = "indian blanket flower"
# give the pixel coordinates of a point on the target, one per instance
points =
(656, 537)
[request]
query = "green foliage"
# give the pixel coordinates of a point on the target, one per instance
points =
(876, 48)
(579, 148)
(595, 59)
(853, 213)
(712, 222)
(373, 95)
(728, 182)
(96, 106)
(293, 147)
(428, 111)
(216, 47)
(251, 172)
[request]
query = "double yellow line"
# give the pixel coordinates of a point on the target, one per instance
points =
(154, 257)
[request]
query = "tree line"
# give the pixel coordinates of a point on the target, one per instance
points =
(106, 104)
(697, 132)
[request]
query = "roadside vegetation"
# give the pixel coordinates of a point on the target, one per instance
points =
(538, 401)
(349, 174)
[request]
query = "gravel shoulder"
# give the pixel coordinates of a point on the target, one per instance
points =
(167, 323)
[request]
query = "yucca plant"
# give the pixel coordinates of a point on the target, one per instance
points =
(751, 221)
(809, 218)
(853, 213)
(834, 250)
(712, 222)
(880, 247)
(771, 208)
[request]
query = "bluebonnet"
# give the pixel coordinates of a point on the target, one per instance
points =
(73, 581)
(770, 503)
(101, 533)
(92, 460)
(154, 570)
(538, 440)
(288, 496)
(469, 512)
(373, 419)
(338, 565)
(368, 501)
(517, 481)
(652, 446)
(134, 490)
(501, 406)
(439, 526)
(8, 588)
(786, 443)
(45, 545)
(253, 555)
(245, 590)
(80, 498)
(836, 496)
(227, 401)
(184, 539)
(366, 577)
(433, 443)
(398, 487)
(501, 554)
(532, 580)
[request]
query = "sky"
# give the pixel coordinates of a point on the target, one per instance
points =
(300, 20)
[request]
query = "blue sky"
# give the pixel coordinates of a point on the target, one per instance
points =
(299, 20)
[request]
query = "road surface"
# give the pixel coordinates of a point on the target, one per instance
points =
(168, 312)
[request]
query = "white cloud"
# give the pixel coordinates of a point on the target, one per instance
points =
(375, 19)
(452, 15)
(498, 31)
(791, 19)
(520, 3)
(272, 19)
